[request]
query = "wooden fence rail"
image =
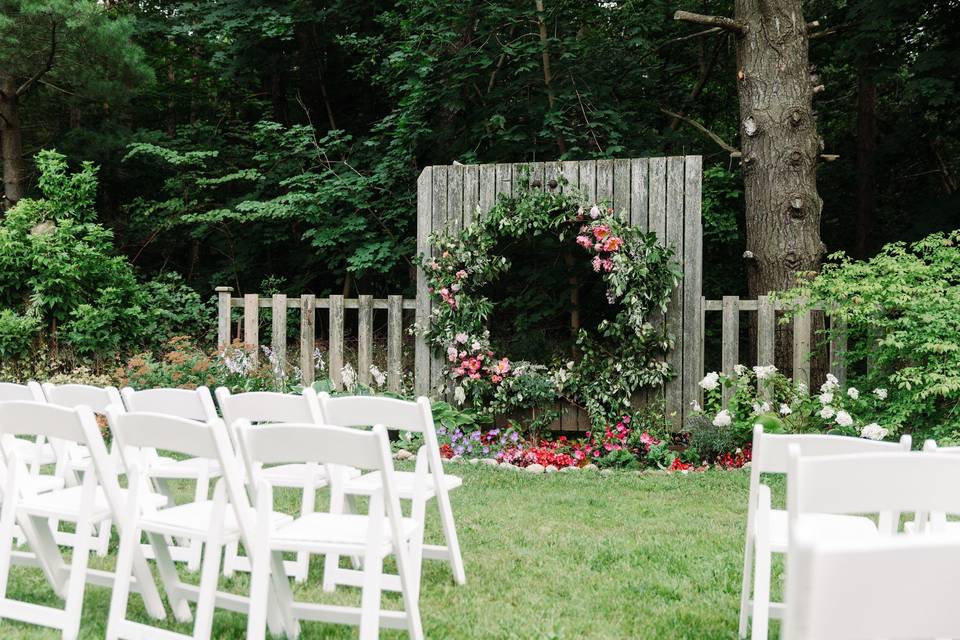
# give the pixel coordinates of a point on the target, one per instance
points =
(249, 330)
(804, 344)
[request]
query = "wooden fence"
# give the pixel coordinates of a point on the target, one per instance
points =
(804, 342)
(248, 329)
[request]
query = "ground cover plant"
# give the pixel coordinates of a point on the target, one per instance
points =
(582, 555)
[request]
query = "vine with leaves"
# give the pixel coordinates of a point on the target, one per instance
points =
(615, 359)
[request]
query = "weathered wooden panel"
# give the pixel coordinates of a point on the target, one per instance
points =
(504, 184)
(422, 354)
(308, 340)
(488, 189)
(838, 350)
(673, 389)
(471, 193)
(365, 339)
(604, 182)
(455, 198)
(801, 348)
(588, 181)
(336, 341)
(689, 341)
(730, 356)
(223, 315)
(394, 343)
(621, 189)
(639, 194)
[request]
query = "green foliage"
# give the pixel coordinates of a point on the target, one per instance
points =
(902, 312)
(17, 332)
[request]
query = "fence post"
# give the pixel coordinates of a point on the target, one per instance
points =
(336, 340)
(251, 323)
(731, 340)
(394, 342)
(365, 339)
(278, 341)
(308, 305)
(223, 315)
(801, 344)
(766, 332)
(838, 349)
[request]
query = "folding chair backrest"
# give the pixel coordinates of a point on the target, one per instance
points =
(302, 443)
(30, 392)
(267, 407)
(770, 450)
(364, 411)
(75, 395)
(30, 418)
(893, 588)
(162, 431)
(191, 404)
(873, 483)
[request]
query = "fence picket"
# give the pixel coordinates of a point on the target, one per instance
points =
(365, 338)
(251, 323)
(336, 340)
(731, 340)
(394, 343)
(278, 339)
(308, 336)
(838, 349)
(801, 346)
(223, 315)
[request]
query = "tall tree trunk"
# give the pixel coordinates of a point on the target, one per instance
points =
(866, 161)
(11, 141)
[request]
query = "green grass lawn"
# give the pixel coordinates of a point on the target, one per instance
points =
(576, 555)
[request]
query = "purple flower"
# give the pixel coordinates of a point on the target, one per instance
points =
(514, 436)
(475, 436)
(469, 448)
(442, 431)
(458, 450)
(494, 432)
(486, 449)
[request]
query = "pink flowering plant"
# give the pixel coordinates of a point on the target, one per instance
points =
(614, 359)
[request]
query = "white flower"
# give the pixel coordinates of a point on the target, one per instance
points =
(764, 372)
(832, 379)
(880, 393)
(826, 398)
(826, 413)
(831, 383)
(710, 381)
(594, 212)
(476, 345)
(740, 369)
(723, 419)
(844, 419)
(761, 408)
(785, 410)
(318, 362)
(853, 392)
(695, 406)
(379, 377)
(459, 395)
(801, 388)
(348, 376)
(873, 431)
(461, 338)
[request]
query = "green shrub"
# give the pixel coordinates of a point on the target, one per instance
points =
(17, 332)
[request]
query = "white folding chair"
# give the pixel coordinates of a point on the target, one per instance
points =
(190, 404)
(896, 588)
(208, 522)
(768, 529)
(77, 458)
(95, 501)
(868, 483)
(36, 452)
(373, 536)
(265, 407)
(357, 411)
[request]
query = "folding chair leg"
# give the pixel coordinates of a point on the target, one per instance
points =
(371, 592)
(207, 596)
(302, 563)
(745, 587)
(450, 533)
(129, 541)
(78, 567)
(410, 592)
(231, 559)
(763, 557)
(102, 548)
(200, 493)
(170, 578)
(260, 574)
(332, 561)
(8, 515)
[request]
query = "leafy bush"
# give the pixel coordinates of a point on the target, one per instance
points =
(902, 312)
(17, 332)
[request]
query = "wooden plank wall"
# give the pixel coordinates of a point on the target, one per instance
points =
(657, 194)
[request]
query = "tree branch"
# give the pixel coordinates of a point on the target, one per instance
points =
(49, 65)
(722, 22)
(733, 151)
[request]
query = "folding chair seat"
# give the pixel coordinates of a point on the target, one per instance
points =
(77, 457)
(96, 501)
(359, 411)
(381, 532)
(190, 404)
(207, 522)
(264, 407)
(768, 529)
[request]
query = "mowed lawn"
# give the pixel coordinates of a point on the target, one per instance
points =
(566, 555)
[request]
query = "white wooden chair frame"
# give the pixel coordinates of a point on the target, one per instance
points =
(191, 404)
(893, 587)
(211, 522)
(358, 411)
(38, 452)
(266, 407)
(98, 501)
(379, 533)
(770, 455)
(77, 459)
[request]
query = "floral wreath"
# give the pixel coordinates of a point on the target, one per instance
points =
(616, 358)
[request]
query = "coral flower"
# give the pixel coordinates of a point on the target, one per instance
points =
(601, 232)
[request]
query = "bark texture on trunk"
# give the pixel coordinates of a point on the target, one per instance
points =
(780, 144)
(11, 141)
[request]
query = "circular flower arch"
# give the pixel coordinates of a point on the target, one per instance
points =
(616, 358)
